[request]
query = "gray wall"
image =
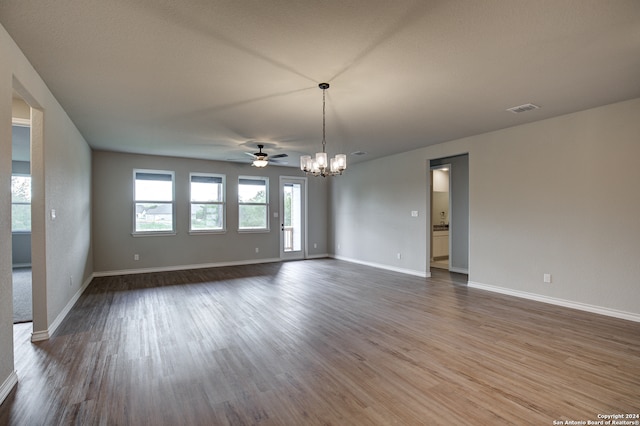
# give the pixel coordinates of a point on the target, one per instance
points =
(114, 245)
(61, 176)
(557, 196)
(6, 289)
(560, 196)
(372, 204)
(21, 249)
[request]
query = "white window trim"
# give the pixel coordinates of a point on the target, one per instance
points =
(267, 204)
(223, 203)
(173, 204)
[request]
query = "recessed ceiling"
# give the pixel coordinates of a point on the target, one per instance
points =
(211, 80)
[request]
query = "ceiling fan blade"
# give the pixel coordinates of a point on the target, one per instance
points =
(250, 154)
(279, 156)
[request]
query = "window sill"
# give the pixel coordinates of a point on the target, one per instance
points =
(153, 234)
(207, 232)
(254, 231)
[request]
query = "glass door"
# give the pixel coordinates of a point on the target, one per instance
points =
(293, 217)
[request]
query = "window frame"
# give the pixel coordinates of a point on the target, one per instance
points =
(151, 232)
(222, 203)
(22, 203)
(266, 204)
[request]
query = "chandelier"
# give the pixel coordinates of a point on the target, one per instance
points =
(320, 166)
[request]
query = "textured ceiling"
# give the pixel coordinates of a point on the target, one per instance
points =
(211, 79)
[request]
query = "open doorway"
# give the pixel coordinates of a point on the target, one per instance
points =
(440, 213)
(21, 211)
(449, 221)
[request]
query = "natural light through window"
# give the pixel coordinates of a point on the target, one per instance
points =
(207, 202)
(253, 203)
(20, 203)
(154, 202)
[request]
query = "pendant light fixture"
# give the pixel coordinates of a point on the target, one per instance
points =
(260, 158)
(320, 166)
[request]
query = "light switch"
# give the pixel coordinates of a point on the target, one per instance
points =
(53, 214)
(414, 213)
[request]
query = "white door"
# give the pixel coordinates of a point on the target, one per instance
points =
(293, 217)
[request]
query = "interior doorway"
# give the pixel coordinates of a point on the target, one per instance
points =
(27, 110)
(449, 220)
(440, 214)
(21, 211)
(293, 217)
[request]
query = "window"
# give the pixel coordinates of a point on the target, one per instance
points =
(20, 203)
(207, 202)
(154, 206)
(253, 204)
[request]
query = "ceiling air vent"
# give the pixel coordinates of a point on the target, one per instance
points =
(523, 108)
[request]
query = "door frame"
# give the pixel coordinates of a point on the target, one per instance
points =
(302, 254)
(40, 324)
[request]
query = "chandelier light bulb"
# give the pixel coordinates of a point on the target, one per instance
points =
(305, 162)
(321, 159)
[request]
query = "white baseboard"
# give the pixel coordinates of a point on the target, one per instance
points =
(317, 256)
(184, 267)
(7, 386)
(38, 336)
(382, 266)
(459, 270)
(560, 302)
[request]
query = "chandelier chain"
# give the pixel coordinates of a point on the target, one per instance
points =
(324, 139)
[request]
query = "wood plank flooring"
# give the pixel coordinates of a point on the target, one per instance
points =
(319, 342)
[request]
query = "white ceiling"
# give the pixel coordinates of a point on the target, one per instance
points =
(211, 79)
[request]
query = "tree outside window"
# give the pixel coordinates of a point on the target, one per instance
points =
(154, 205)
(253, 204)
(207, 202)
(20, 203)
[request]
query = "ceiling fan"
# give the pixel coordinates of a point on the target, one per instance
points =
(261, 160)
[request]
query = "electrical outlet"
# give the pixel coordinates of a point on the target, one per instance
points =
(399, 256)
(70, 280)
(257, 250)
(546, 278)
(136, 256)
(315, 245)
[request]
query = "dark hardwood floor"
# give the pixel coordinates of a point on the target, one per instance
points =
(320, 342)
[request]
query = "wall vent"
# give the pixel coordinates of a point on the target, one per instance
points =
(523, 108)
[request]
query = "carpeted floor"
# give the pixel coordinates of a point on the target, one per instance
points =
(22, 307)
